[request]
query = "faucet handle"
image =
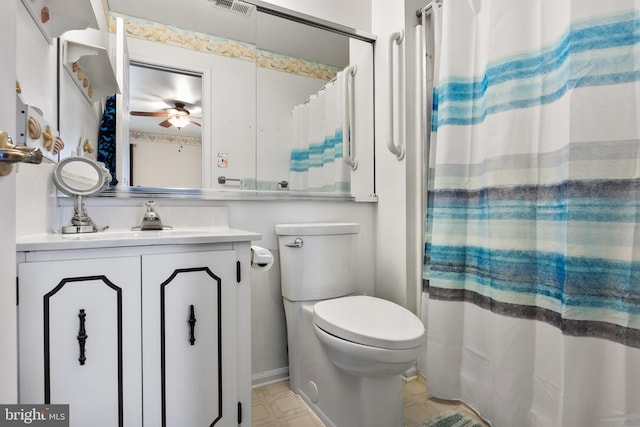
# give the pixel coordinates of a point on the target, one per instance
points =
(151, 206)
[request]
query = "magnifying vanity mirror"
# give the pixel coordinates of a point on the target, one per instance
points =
(80, 177)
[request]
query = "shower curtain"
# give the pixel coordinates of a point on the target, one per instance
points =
(316, 157)
(532, 253)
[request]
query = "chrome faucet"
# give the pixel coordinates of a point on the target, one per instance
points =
(151, 219)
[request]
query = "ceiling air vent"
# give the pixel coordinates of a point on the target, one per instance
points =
(236, 6)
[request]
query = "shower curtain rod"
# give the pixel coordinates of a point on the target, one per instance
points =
(427, 8)
(348, 68)
(333, 80)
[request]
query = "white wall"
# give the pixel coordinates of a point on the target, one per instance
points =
(35, 67)
(166, 164)
(36, 72)
(398, 182)
(277, 93)
(233, 117)
(391, 214)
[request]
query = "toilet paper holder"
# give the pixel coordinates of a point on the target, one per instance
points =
(261, 258)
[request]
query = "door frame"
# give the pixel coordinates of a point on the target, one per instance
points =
(8, 288)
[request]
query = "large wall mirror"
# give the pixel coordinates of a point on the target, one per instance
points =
(271, 102)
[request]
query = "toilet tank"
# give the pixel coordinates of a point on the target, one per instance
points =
(322, 266)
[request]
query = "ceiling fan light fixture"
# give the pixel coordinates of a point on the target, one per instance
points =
(179, 120)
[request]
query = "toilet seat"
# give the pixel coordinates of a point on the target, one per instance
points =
(369, 321)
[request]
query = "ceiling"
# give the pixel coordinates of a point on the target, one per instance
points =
(154, 91)
(195, 15)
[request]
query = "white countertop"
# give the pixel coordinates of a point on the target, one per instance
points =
(121, 238)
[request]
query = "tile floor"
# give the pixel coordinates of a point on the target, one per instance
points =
(274, 405)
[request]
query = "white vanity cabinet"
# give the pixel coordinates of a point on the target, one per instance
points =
(151, 335)
(189, 338)
(79, 338)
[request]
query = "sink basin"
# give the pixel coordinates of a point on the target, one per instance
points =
(138, 234)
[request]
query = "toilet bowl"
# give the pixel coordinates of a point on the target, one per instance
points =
(346, 351)
(368, 336)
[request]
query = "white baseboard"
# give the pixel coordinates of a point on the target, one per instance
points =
(269, 377)
(282, 374)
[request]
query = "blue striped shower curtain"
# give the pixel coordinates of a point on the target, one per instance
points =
(532, 254)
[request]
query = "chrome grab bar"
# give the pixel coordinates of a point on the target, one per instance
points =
(296, 243)
(348, 130)
(394, 38)
(10, 154)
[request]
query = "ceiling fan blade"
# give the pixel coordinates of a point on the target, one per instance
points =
(166, 124)
(195, 123)
(147, 114)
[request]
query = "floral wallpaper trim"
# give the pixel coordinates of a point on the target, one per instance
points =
(301, 67)
(174, 36)
(164, 139)
(202, 42)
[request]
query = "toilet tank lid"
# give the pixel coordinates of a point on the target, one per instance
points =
(317, 228)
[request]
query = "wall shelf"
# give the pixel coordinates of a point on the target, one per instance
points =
(90, 69)
(55, 17)
(32, 130)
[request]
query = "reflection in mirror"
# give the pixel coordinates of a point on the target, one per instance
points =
(249, 93)
(305, 96)
(165, 127)
(184, 48)
(79, 176)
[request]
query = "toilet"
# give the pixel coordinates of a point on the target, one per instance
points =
(346, 351)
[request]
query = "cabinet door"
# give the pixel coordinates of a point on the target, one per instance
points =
(79, 338)
(189, 339)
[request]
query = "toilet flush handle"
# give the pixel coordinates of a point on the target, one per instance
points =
(296, 243)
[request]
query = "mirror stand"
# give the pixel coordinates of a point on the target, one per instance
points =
(80, 222)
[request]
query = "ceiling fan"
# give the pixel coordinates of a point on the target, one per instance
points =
(177, 117)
